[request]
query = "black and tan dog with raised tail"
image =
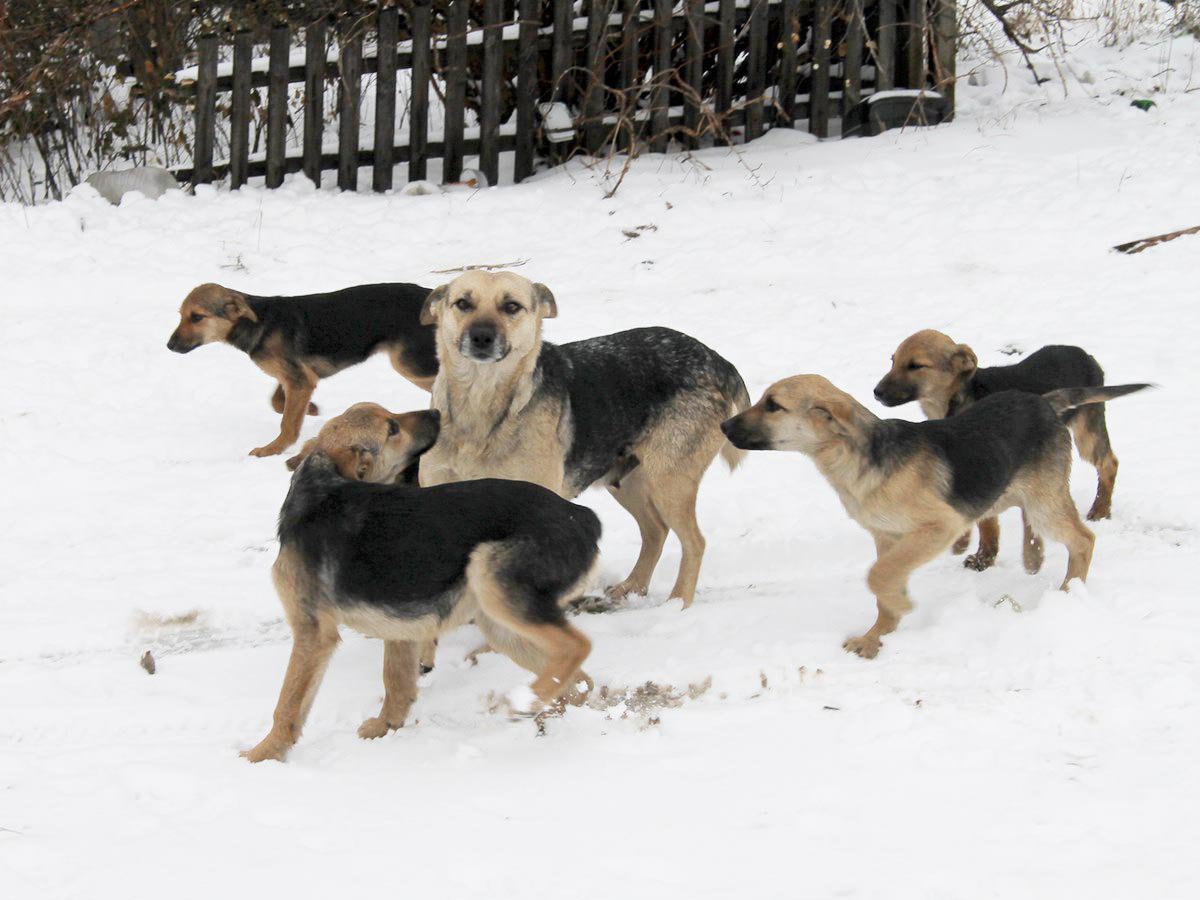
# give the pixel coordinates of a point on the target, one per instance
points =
(916, 486)
(300, 340)
(945, 378)
(405, 563)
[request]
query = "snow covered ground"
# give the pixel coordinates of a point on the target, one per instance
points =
(1009, 741)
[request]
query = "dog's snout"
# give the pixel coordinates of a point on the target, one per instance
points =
(483, 337)
(434, 415)
(727, 427)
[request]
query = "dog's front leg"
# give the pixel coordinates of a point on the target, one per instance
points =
(399, 687)
(297, 392)
(313, 643)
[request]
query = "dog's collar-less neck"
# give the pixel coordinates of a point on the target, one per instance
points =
(471, 396)
(246, 335)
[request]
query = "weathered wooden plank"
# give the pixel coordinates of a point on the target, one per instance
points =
(594, 130)
(916, 43)
(562, 56)
(693, 72)
(418, 104)
(852, 63)
(277, 103)
(314, 99)
(756, 80)
(349, 91)
(659, 110)
(206, 107)
(456, 89)
(885, 53)
(493, 71)
(726, 38)
(239, 109)
(945, 35)
(789, 42)
(385, 99)
(527, 87)
(818, 93)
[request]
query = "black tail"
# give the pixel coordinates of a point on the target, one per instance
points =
(1067, 399)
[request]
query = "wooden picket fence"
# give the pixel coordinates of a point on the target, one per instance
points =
(631, 74)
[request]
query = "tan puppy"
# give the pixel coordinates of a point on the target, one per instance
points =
(636, 412)
(915, 486)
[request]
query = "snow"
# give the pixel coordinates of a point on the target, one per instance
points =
(1009, 741)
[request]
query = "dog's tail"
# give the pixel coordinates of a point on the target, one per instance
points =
(1067, 399)
(740, 403)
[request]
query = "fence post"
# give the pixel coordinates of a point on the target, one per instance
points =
(206, 104)
(659, 110)
(726, 38)
(493, 71)
(756, 78)
(852, 64)
(789, 25)
(277, 103)
(945, 35)
(885, 47)
(917, 21)
(383, 154)
(593, 95)
(527, 87)
(818, 94)
(456, 90)
(693, 71)
(418, 104)
(350, 89)
(562, 55)
(239, 110)
(314, 99)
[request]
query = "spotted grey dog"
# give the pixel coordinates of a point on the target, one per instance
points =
(638, 412)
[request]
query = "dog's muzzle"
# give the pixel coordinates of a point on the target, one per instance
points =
(483, 343)
(742, 437)
(890, 394)
(177, 344)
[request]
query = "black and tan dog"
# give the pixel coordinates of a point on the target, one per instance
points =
(945, 378)
(300, 340)
(404, 564)
(637, 411)
(915, 486)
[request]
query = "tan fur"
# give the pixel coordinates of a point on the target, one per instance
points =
(492, 428)
(905, 509)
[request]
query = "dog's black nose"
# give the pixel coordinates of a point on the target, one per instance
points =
(879, 394)
(727, 426)
(482, 339)
(434, 414)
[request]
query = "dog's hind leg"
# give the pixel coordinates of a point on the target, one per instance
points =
(297, 391)
(313, 642)
(1091, 437)
(1032, 550)
(399, 689)
(277, 402)
(989, 545)
(888, 581)
(960, 546)
(634, 495)
(526, 655)
(675, 498)
(1053, 513)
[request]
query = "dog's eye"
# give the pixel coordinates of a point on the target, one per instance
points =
(463, 305)
(913, 366)
(196, 318)
(511, 308)
(771, 406)
(393, 428)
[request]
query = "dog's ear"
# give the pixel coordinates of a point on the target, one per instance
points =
(236, 307)
(547, 308)
(963, 360)
(839, 415)
(431, 310)
(309, 446)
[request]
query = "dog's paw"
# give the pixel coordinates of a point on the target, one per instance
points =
(268, 748)
(623, 589)
(961, 545)
(313, 409)
(1099, 511)
(979, 561)
(374, 727)
(865, 646)
(272, 449)
(522, 703)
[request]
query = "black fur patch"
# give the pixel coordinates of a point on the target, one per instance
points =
(985, 446)
(619, 385)
(344, 327)
(1056, 366)
(404, 550)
